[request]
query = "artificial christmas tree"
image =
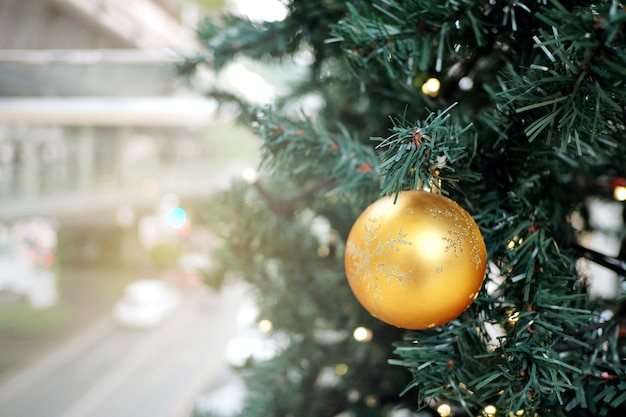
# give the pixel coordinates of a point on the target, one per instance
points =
(515, 111)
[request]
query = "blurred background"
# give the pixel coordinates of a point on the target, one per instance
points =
(105, 158)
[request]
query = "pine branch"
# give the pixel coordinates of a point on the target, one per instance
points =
(571, 99)
(286, 206)
(425, 154)
(308, 150)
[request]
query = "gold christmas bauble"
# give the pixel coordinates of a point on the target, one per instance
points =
(416, 263)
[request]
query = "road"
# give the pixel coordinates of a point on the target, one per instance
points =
(111, 371)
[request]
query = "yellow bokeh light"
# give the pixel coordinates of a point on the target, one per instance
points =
(490, 410)
(323, 251)
(371, 401)
(265, 325)
(431, 87)
(619, 193)
(444, 410)
(250, 175)
(341, 369)
(513, 317)
(512, 244)
(362, 334)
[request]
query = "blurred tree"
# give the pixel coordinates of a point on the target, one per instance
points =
(515, 110)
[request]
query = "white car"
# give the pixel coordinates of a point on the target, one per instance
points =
(146, 304)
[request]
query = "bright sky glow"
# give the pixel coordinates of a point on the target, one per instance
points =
(268, 10)
(249, 84)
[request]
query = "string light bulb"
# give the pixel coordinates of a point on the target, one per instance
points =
(362, 334)
(619, 193)
(513, 317)
(323, 251)
(265, 326)
(250, 175)
(431, 87)
(371, 401)
(490, 410)
(512, 244)
(340, 369)
(444, 410)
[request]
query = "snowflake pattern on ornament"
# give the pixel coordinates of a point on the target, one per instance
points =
(463, 230)
(378, 247)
